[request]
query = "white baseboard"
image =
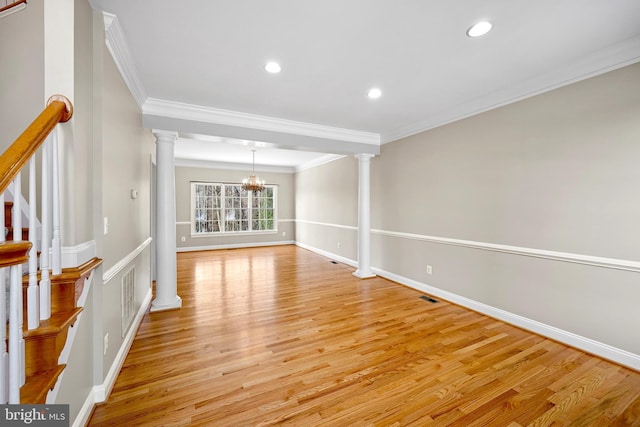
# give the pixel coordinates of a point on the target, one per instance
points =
(73, 256)
(100, 392)
(85, 412)
(333, 256)
(588, 345)
(233, 246)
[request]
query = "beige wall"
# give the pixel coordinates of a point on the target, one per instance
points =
(115, 156)
(126, 150)
(22, 84)
(126, 165)
(327, 207)
(78, 226)
(555, 172)
(325, 193)
(285, 207)
(76, 150)
(23, 95)
(551, 172)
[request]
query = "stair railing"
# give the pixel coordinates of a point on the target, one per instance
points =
(11, 4)
(7, 7)
(16, 254)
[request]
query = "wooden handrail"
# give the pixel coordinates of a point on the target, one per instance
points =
(10, 5)
(14, 253)
(59, 109)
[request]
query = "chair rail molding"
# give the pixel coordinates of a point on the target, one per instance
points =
(618, 264)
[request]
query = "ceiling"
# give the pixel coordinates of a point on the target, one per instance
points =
(197, 67)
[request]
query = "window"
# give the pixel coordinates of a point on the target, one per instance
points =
(227, 208)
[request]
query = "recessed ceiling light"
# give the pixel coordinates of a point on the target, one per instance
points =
(479, 29)
(374, 93)
(273, 67)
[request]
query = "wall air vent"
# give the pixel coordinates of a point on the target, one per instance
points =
(128, 298)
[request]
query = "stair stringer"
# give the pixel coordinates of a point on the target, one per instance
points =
(84, 282)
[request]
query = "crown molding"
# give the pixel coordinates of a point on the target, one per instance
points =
(117, 45)
(178, 110)
(592, 65)
(208, 164)
(319, 161)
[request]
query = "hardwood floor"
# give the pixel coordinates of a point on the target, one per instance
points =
(280, 335)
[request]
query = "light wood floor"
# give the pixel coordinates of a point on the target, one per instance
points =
(280, 335)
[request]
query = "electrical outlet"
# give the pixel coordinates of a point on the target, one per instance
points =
(339, 245)
(106, 343)
(183, 239)
(284, 233)
(429, 269)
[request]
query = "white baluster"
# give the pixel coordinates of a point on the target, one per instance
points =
(4, 356)
(16, 352)
(17, 208)
(33, 311)
(55, 241)
(16, 343)
(45, 282)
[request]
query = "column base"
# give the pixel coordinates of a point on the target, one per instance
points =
(172, 305)
(366, 274)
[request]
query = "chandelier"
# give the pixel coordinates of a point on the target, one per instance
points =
(253, 183)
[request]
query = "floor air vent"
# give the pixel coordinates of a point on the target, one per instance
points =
(428, 298)
(128, 298)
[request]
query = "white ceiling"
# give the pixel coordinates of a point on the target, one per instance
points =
(196, 66)
(213, 151)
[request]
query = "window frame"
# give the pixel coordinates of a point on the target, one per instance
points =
(222, 206)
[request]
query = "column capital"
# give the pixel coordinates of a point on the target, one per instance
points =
(363, 157)
(165, 135)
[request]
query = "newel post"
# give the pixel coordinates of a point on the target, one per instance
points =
(166, 278)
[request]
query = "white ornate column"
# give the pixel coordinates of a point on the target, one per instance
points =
(364, 217)
(166, 279)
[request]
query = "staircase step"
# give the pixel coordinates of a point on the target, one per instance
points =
(44, 344)
(37, 386)
(65, 292)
